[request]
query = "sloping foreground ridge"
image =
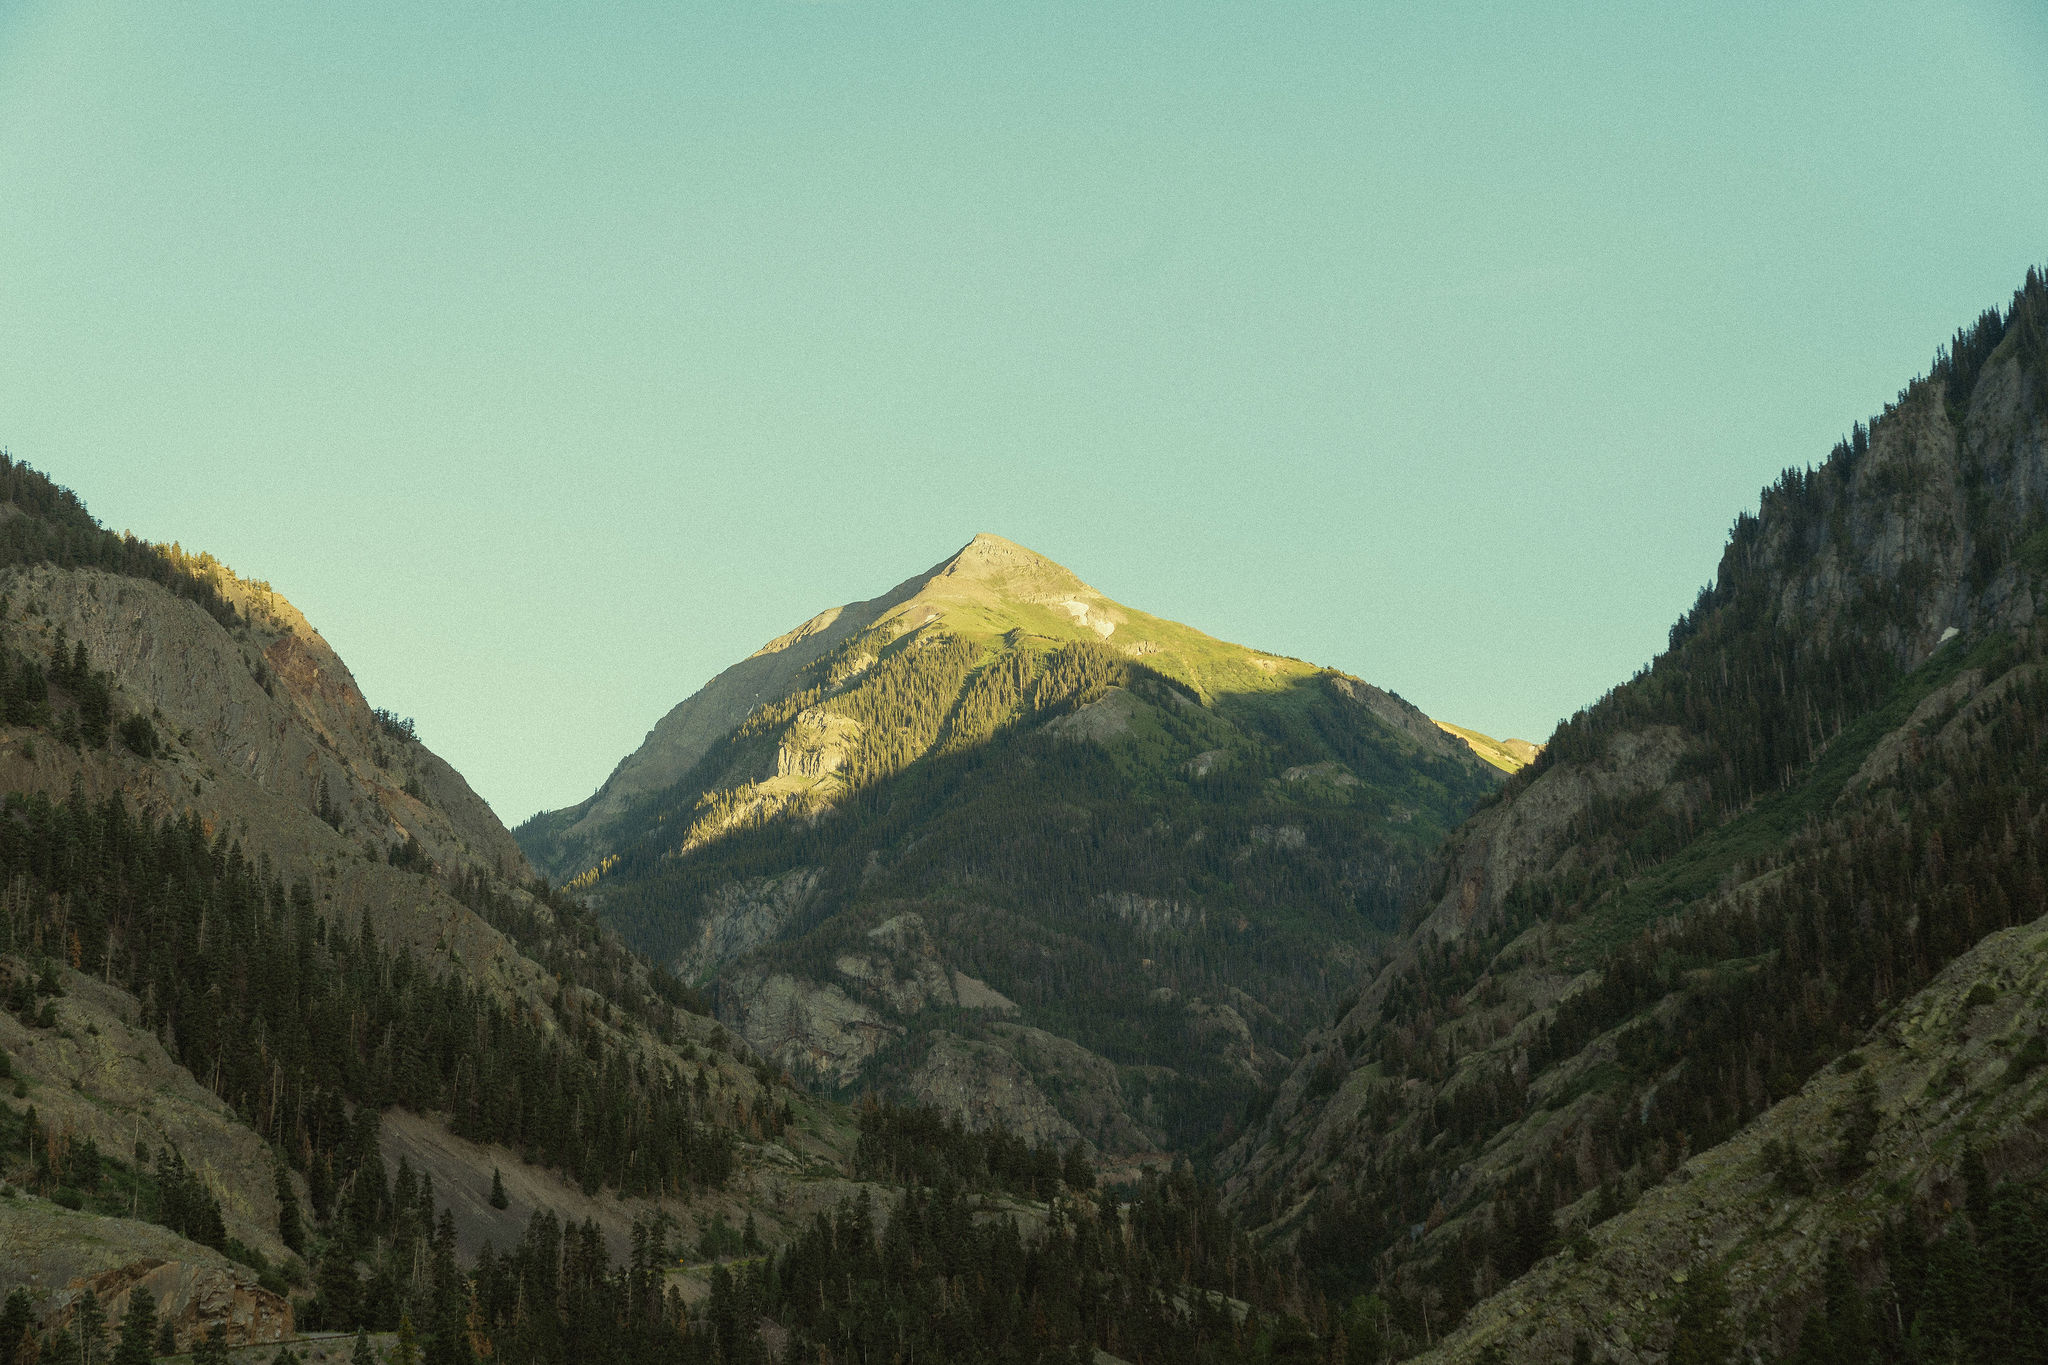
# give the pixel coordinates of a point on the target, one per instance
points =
(1723, 1022)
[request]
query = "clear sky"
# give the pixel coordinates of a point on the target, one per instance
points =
(552, 357)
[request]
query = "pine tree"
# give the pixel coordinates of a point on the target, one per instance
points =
(211, 1349)
(138, 1329)
(362, 1355)
(498, 1199)
(1701, 1335)
(166, 1339)
(17, 1321)
(407, 1351)
(89, 1321)
(291, 1227)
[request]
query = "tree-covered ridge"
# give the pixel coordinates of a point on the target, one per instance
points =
(44, 523)
(1847, 815)
(300, 1026)
(1763, 677)
(1159, 1275)
(1689, 1031)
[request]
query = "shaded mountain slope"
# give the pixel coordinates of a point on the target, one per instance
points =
(1006, 846)
(1708, 886)
(292, 1042)
(247, 914)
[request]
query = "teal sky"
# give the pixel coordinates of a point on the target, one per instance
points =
(552, 357)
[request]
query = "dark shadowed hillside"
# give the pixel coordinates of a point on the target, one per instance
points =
(1702, 990)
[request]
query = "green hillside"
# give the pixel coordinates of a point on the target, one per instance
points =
(1170, 850)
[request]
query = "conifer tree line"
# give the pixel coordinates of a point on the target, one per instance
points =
(1930, 1285)
(308, 1032)
(1156, 1274)
(65, 695)
(58, 530)
(919, 1146)
(1159, 1277)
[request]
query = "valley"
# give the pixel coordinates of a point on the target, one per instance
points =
(991, 971)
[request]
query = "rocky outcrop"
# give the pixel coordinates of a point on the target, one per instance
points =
(1513, 840)
(741, 916)
(95, 1075)
(827, 1031)
(56, 1254)
(987, 1088)
(1098, 721)
(1090, 1092)
(816, 1032)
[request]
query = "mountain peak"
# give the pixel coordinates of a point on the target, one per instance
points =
(992, 559)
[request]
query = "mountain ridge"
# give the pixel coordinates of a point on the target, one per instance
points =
(1797, 848)
(1048, 738)
(990, 587)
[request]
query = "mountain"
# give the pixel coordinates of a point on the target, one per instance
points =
(996, 843)
(293, 1039)
(1722, 1023)
(260, 946)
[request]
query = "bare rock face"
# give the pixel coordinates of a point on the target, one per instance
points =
(1091, 1095)
(57, 1253)
(1509, 842)
(986, 1069)
(988, 1088)
(270, 703)
(741, 916)
(1099, 721)
(813, 1031)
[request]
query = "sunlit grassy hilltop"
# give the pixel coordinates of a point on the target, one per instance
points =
(1138, 857)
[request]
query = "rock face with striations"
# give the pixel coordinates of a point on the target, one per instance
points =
(61, 1253)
